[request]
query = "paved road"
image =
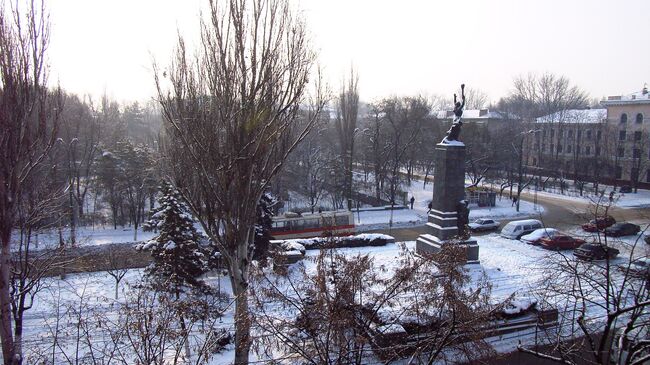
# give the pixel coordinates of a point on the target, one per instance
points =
(558, 213)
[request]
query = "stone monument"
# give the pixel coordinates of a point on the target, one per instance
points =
(449, 215)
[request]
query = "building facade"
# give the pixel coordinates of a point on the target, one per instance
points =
(610, 145)
(628, 116)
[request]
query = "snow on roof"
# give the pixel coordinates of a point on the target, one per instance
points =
(639, 97)
(575, 116)
(470, 114)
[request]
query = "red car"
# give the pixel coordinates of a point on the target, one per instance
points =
(561, 242)
(599, 224)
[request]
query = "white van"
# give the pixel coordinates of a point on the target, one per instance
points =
(515, 229)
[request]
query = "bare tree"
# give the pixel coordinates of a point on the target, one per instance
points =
(603, 305)
(347, 110)
(29, 123)
(476, 98)
(536, 95)
(341, 310)
(80, 133)
(232, 118)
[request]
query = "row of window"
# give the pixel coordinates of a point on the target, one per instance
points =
(622, 136)
(638, 119)
(569, 149)
(636, 152)
(570, 134)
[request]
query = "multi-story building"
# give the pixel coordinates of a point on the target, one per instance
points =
(628, 116)
(600, 145)
(570, 144)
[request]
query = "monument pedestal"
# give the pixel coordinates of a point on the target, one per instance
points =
(448, 192)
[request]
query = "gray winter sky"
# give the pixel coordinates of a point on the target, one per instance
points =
(399, 47)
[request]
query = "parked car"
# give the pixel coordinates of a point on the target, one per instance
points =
(599, 223)
(622, 229)
(625, 189)
(516, 229)
(595, 251)
(483, 224)
(535, 237)
(639, 268)
(561, 242)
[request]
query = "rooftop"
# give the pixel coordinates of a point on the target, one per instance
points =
(639, 97)
(575, 116)
(470, 114)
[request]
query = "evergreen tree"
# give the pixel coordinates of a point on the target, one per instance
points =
(263, 226)
(178, 260)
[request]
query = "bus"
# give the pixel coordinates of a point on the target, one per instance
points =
(307, 225)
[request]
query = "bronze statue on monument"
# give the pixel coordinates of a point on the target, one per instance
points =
(454, 132)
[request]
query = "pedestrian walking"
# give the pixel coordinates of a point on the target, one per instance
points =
(412, 201)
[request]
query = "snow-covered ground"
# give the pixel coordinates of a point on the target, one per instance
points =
(512, 267)
(640, 199)
(366, 220)
(380, 219)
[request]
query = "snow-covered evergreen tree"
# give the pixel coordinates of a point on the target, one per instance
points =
(178, 260)
(263, 226)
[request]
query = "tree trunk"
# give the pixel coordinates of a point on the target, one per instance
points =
(6, 336)
(242, 319)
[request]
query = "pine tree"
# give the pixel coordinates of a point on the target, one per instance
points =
(263, 226)
(178, 260)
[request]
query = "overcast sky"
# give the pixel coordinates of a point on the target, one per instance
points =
(399, 47)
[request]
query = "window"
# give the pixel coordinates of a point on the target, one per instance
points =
(621, 152)
(619, 172)
(622, 135)
(639, 118)
(544, 134)
(624, 118)
(570, 134)
(559, 148)
(647, 176)
(543, 147)
(637, 136)
(536, 146)
(552, 148)
(636, 153)
(579, 134)
(577, 150)
(599, 134)
(561, 134)
(597, 151)
(342, 220)
(568, 149)
(588, 150)
(552, 133)
(589, 134)
(534, 161)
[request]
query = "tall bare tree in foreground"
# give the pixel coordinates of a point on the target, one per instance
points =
(346, 125)
(603, 304)
(232, 117)
(28, 121)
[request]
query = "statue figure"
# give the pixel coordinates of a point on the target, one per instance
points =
(454, 132)
(462, 210)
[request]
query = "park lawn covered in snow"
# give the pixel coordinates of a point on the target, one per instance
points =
(513, 267)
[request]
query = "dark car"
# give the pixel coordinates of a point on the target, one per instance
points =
(639, 268)
(625, 189)
(599, 223)
(595, 251)
(561, 242)
(622, 229)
